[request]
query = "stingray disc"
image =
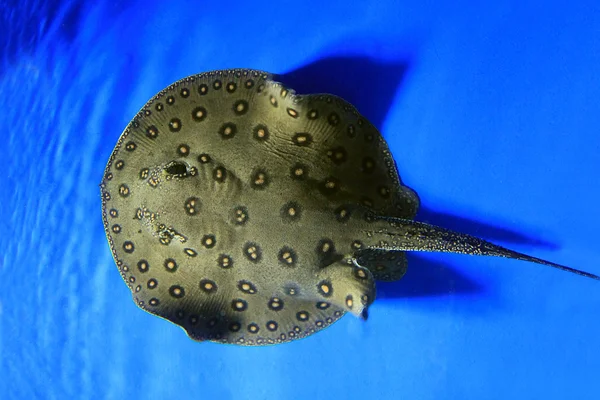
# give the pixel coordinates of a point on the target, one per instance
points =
(233, 208)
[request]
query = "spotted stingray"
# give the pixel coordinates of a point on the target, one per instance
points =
(246, 213)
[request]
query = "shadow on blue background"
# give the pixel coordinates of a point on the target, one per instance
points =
(339, 75)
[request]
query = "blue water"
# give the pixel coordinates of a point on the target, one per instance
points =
(492, 113)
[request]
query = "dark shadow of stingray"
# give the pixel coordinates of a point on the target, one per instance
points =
(367, 84)
(428, 278)
(480, 229)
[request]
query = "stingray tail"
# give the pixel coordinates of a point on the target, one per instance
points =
(407, 235)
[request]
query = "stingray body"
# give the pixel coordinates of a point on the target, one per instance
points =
(249, 214)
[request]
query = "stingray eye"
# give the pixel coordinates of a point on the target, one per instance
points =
(176, 168)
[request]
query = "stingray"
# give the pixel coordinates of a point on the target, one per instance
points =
(249, 214)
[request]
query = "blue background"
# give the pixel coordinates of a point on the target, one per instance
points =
(491, 111)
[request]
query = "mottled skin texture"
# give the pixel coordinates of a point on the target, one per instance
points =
(248, 214)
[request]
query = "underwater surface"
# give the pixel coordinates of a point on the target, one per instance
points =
(491, 113)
